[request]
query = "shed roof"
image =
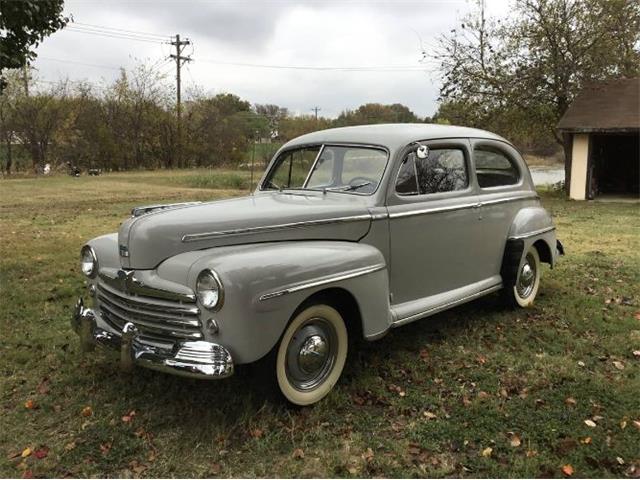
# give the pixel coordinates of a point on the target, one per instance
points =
(613, 105)
(392, 136)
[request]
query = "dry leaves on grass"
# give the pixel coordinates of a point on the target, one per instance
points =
(590, 423)
(514, 440)
(86, 411)
(567, 470)
(256, 433)
(298, 454)
(41, 453)
(570, 401)
(29, 404)
(397, 389)
(429, 415)
(618, 365)
(26, 452)
(128, 418)
(487, 452)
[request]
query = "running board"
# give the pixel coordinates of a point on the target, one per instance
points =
(445, 306)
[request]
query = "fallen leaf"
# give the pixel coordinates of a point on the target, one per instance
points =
(26, 452)
(590, 423)
(636, 423)
(128, 418)
(43, 387)
(515, 441)
(86, 411)
(29, 404)
(256, 433)
(352, 470)
(618, 365)
(429, 415)
(367, 456)
(41, 453)
(570, 401)
(636, 353)
(597, 418)
(298, 453)
(105, 447)
(532, 453)
(70, 446)
(482, 395)
(487, 452)
(567, 470)
(623, 424)
(27, 474)
(637, 315)
(620, 460)
(586, 440)
(581, 363)
(482, 359)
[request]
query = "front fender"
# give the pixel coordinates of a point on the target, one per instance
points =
(265, 283)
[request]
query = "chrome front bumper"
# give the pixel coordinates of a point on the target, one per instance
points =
(194, 359)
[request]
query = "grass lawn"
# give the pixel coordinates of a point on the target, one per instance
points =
(479, 391)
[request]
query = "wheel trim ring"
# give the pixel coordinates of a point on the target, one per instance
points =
(527, 277)
(296, 376)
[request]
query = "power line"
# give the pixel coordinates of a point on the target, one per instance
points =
(105, 28)
(111, 35)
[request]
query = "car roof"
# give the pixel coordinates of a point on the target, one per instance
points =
(390, 135)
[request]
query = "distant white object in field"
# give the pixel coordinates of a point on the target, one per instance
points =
(47, 168)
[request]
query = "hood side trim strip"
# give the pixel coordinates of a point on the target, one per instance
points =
(317, 283)
(194, 237)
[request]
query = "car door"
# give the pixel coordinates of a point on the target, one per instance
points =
(434, 222)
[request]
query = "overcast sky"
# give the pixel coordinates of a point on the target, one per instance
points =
(276, 33)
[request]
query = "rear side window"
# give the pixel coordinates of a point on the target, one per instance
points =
(494, 168)
(444, 170)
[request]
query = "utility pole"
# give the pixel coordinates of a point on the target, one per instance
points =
(180, 60)
(316, 109)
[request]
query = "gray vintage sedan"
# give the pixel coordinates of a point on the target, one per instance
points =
(350, 232)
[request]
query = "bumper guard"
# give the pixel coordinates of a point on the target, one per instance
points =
(194, 359)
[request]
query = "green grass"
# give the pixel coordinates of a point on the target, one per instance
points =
(487, 373)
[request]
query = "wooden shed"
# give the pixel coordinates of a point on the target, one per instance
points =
(603, 126)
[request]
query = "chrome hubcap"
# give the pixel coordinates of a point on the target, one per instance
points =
(311, 354)
(526, 277)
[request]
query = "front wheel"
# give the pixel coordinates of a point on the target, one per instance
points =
(524, 292)
(312, 354)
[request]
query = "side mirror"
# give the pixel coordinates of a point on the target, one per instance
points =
(422, 151)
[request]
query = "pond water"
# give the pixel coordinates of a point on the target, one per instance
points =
(547, 175)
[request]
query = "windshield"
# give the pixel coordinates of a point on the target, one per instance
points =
(330, 167)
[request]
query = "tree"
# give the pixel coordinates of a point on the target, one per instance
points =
(376, 113)
(537, 62)
(274, 115)
(24, 24)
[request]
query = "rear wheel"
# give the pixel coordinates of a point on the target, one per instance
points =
(311, 354)
(525, 289)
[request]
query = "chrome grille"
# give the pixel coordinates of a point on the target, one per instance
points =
(156, 319)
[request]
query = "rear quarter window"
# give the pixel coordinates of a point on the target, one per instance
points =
(494, 168)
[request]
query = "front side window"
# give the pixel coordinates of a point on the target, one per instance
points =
(443, 170)
(494, 169)
(330, 167)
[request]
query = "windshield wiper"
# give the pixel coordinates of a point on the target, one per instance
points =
(348, 188)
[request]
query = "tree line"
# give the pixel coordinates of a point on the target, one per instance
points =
(131, 124)
(515, 76)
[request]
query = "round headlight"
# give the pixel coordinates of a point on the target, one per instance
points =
(209, 290)
(88, 261)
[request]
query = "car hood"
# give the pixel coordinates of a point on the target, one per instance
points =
(145, 241)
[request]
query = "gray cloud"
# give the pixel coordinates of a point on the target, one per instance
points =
(344, 33)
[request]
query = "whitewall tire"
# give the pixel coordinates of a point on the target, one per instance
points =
(528, 280)
(311, 354)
